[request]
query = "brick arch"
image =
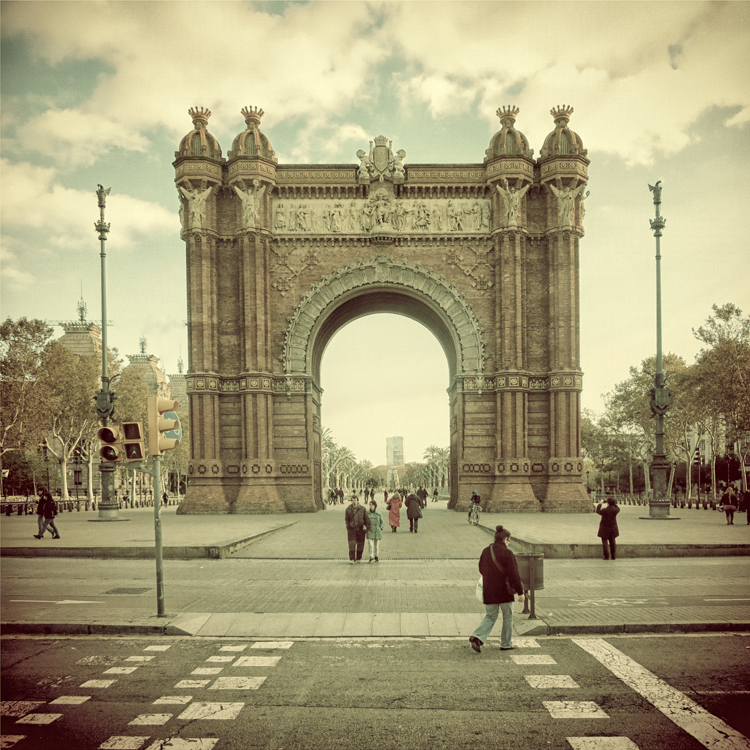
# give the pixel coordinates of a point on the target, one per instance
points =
(383, 284)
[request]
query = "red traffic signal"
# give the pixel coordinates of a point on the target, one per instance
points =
(110, 447)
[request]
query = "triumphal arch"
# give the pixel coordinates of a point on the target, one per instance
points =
(281, 256)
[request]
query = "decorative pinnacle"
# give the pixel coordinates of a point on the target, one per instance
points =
(252, 115)
(102, 194)
(507, 115)
(561, 114)
(200, 116)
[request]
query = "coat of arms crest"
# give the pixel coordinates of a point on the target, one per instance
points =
(381, 163)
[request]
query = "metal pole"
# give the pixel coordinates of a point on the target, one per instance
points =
(105, 406)
(157, 538)
(659, 503)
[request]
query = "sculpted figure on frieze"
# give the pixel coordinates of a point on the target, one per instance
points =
(196, 205)
(250, 202)
(512, 198)
(566, 202)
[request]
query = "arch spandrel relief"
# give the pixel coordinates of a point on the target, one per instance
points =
(281, 256)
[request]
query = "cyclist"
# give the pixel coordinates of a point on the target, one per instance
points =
(475, 500)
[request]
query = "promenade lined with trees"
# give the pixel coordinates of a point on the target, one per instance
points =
(707, 425)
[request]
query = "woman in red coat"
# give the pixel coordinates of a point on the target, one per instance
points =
(394, 511)
(501, 583)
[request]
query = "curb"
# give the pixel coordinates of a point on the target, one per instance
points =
(179, 552)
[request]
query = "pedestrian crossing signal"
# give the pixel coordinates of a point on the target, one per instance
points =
(133, 445)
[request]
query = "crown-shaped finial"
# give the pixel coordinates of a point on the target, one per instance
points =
(381, 140)
(507, 115)
(200, 116)
(561, 113)
(252, 114)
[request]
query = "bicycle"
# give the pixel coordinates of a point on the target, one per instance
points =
(474, 514)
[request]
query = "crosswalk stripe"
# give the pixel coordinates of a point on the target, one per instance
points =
(709, 730)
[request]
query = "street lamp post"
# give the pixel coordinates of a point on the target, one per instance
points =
(659, 503)
(105, 399)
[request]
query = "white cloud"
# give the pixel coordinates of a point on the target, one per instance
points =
(32, 198)
(13, 276)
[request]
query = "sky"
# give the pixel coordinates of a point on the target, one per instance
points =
(98, 92)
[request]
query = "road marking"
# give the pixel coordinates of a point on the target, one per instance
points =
(273, 644)
(98, 684)
(211, 711)
(532, 659)
(19, 708)
(207, 670)
(233, 648)
(120, 670)
(177, 700)
(574, 710)
(184, 743)
(150, 720)
(8, 740)
(53, 601)
(727, 600)
(70, 700)
(601, 743)
(220, 659)
(190, 684)
(140, 658)
(543, 681)
(708, 729)
(38, 718)
(157, 648)
(257, 661)
(123, 743)
(237, 683)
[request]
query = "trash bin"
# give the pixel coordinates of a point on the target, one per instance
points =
(531, 571)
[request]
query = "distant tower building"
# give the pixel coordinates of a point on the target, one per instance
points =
(154, 378)
(178, 388)
(81, 337)
(394, 449)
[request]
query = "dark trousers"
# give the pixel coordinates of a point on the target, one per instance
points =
(356, 539)
(609, 547)
(413, 524)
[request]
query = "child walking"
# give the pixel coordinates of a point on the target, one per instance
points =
(375, 532)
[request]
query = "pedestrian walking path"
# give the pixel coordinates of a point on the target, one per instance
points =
(288, 575)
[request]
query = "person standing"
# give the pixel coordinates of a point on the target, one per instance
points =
(729, 501)
(501, 583)
(413, 511)
(47, 509)
(374, 531)
(608, 530)
(394, 511)
(745, 503)
(357, 525)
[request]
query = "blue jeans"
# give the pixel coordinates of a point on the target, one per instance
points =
(485, 627)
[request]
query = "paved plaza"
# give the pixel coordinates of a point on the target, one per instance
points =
(288, 575)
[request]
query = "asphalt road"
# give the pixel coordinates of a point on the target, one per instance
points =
(87, 693)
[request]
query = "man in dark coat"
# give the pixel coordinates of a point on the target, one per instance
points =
(413, 511)
(501, 582)
(357, 526)
(608, 530)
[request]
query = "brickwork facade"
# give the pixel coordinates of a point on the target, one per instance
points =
(279, 257)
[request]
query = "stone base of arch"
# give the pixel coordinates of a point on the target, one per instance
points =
(245, 496)
(564, 496)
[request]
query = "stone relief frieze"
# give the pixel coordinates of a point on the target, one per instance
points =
(383, 270)
(382, 212)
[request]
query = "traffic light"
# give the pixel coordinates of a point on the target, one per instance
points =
(162, 418)
(133, 446)
(110, 447)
